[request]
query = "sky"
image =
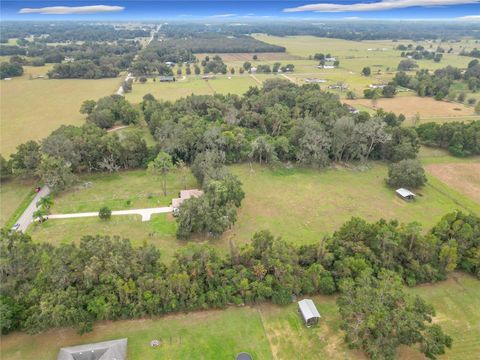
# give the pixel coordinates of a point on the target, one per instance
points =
(238, 10)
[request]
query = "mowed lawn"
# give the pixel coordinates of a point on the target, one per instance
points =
(266, 331)
(222, 84)
(32, 109)
(302, 205)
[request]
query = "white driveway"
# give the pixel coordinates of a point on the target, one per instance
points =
(144, 213)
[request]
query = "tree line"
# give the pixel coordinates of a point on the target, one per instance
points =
(439, 83)
(460, 139)
(45, 286)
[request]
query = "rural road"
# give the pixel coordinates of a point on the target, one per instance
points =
(27, 217)
(144, 213)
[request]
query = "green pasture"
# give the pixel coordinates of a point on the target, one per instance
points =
(14, 197)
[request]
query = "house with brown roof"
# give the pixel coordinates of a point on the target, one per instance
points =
(184, 195)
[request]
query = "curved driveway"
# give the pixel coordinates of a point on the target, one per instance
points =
(27, 217)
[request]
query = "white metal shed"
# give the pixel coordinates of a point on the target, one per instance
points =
(309, 312)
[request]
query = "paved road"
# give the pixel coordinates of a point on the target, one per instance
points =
(27, 217)
(144, 213)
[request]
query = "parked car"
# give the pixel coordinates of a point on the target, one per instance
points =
(15, 227)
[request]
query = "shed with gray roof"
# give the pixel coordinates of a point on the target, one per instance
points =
(309, 312)
(106, 350)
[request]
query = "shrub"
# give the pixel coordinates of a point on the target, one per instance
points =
(406, 173)
(105, 213)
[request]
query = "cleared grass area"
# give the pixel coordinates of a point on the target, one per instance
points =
(201, 335)
(266, 331)
(169, 90)
(464, 177)
(301, 205)
(120, 191)
(410, 105)
(32, 109)
(159, 231)
(13, 194)
(242, 57)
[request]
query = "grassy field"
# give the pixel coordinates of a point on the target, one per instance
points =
(266, 331)
(223, 84)
(301, 205)
(32, 109)
(410, 105)
(121, 191)
(12, 195)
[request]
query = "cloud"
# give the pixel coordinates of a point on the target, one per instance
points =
(226, 15)
(378, 6)
(352, 18)
(68, 10)
(469, 18)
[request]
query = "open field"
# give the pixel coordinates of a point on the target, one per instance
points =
(12, 195)
(223, 84)
(301, 205)
(411, 105)
(266, 331)
(464, 177)
(121, 191)
(32, 109)
(242, 57)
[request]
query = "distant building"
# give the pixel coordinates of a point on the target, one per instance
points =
(315, 81)
(184, 195)
(338, 87)
(68, 59)
(330, 59)
(253, 69)
(351, 109)
(405, 194)
(376, 86)
(326, 67)
(107, 350)
(167, 78)
(309, 312)
(170, 63)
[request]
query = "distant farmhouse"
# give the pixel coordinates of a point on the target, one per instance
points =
(167, 78)
(351, 109)
(326, 67)
(170, 63)
(315, 81)
(376, 86)
(107, 350)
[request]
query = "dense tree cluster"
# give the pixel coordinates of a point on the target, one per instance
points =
(210, 42)
(82, 69)
(422, 54)
(68, 31)
(378, 316)
(110, 110)
(214, 212)
(9, 69)
(438, 84)
(46, 286)
(280, 122)
(214, 65)
(407, 174)
(461, 139)
(349, 30)
(71, 149)
(473, 53)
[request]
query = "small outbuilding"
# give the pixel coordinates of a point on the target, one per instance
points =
(243, 356)
(309, 312)
(167, 78)
(184, 195)
(107, 350)
(405, 194)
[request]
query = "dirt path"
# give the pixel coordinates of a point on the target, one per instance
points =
(27, 217)
(256, 79)
(144, 213)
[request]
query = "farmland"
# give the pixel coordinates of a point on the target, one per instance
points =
(318, 203)
(266, 331)
(32, 109)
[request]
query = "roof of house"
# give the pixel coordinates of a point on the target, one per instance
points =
(184, 195)
(107, 350)
(404, 192)
(308, 309)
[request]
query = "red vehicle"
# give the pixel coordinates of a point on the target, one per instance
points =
(37, 189)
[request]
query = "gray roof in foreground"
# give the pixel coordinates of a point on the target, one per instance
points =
(106, 350)
(404, 192)
(308, 309)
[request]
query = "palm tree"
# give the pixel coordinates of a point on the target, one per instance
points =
(45, 203)
(162, 164)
